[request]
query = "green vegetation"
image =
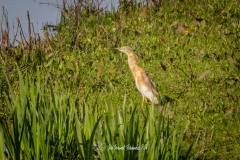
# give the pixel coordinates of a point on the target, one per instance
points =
(72, 96)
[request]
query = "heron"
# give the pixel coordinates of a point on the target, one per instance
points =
(143, 82)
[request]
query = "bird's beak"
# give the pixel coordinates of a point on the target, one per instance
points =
(116, 50)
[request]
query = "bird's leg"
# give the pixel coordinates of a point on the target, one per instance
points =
(143, 99)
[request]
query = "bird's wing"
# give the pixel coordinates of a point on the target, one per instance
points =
(148, 81)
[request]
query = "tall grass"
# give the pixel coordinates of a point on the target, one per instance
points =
(57, 125)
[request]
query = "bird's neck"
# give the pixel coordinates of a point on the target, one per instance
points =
(133, 67)
(132, 59)
(132, 62)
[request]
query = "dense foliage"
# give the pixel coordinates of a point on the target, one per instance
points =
(72, 95)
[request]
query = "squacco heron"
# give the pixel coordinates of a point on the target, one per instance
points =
(142, 80)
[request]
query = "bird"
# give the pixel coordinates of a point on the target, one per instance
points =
(143, 82)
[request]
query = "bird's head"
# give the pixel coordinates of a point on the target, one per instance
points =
(125, 49)
(132, 58)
